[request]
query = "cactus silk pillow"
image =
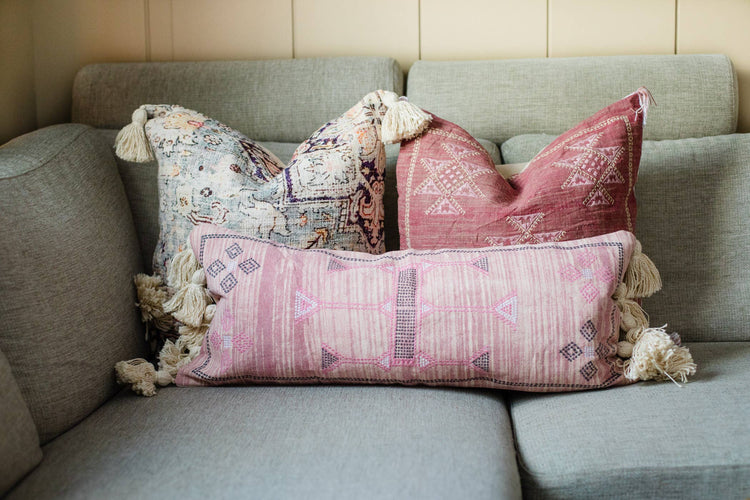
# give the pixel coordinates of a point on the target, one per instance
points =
(581, 185)
(529, 317)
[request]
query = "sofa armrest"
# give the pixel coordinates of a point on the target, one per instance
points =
(70, 250)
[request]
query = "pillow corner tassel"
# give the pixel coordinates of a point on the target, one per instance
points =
(139, 374)
(654, 354)
(131, 143)
(642, 278)
(402, 120)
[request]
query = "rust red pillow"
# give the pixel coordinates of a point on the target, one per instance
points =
(581, 185)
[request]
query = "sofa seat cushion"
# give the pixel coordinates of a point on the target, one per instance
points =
(285, 442)
(648, 440)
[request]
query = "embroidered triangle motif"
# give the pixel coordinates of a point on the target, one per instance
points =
(507, 309)
(435, 166)
(335, 265)
(303, 305)
(586, 143)
(598, 197)
(329, 358)
(466, 190)
(444, 207)
(525, 222)
(457, 151)
(612, 176)
(611, 152)
(428, 187)
(482, 264)
(482, 361)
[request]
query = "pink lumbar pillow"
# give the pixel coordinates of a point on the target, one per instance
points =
(532, 317)
(581, 185)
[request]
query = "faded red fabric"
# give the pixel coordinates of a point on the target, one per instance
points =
(581, 185)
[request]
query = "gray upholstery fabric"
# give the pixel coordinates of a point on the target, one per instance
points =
(648, 440)
(69, 255)
(275, 100)
(696, 94)
(693, 204)
(522, 148)
(286, 442)
(19, 441)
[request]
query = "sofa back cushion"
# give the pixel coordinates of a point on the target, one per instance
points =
(696, 94)
(281, 100)
(693, 208)
(69, 252)
(19, 441)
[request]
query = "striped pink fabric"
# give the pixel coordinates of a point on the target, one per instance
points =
(532, 318)
(579, 186)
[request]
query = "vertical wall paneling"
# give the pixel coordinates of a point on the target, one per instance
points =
(16, 70)
(607, 27)
(72, 33)
(357, 27)
(483, 29)
(719, 26)
(231, 29)
(160, 30)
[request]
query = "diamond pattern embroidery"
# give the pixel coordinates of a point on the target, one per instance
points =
(588, 370)
(583, 271)
(571, 351)
(249, 266)
(588, 330)
(233, 250)
(215, 268)
(594, 167)
(228, 283)
(452, 178)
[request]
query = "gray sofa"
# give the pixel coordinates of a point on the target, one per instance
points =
(78, 224)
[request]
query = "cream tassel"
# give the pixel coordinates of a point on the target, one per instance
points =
(654, 355)
(641, 277)
(152, 294)
(182, 266)
(188, 305)
(403, 120)
(631, 314)
(175, 355)
(131, 143)
(139, 374)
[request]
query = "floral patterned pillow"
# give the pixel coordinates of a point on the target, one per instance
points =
(329, 196)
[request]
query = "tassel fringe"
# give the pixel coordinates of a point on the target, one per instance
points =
(654, 355)
(131, 143)
(631, 314)
(641, 278)
(152, 294)
(403, 120)
(182, 267)
(139, 374)
(189, 303)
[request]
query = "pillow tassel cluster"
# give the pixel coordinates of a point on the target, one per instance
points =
(403, 120)
(649, 353)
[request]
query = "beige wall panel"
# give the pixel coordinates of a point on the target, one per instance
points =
(231, 29)
(357, 27)
(16, 70)
(483, 29)
(719, 26)
(160, 30)
(69, 34)
(611, 27)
